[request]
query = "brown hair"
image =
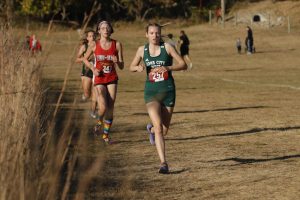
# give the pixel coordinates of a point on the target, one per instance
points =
(90, 31)
(84, 40)
(153, 24)
(102, 22)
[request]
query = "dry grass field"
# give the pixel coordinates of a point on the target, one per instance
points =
(234, 133)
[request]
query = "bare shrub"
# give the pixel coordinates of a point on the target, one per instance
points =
(20, 104)
(35, 161)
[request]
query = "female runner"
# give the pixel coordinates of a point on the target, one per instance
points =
(159, 94)
(108, 56)
(87, 73)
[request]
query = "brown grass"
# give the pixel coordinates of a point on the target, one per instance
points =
(234, 133)
(38, 157)
(20, 100)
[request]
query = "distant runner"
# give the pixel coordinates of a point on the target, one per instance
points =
(87, 73)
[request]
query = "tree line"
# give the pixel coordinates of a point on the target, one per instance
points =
(127, 10)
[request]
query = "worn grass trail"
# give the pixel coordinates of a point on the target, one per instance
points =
(234, 132)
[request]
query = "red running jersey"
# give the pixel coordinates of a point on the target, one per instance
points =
(105, 64)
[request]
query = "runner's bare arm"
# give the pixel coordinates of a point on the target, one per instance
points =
(136, 65)
(181, 65)
(79, 54)
(119, 62)
(85, 59)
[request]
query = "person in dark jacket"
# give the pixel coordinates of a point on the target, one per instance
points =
(249, 40)
(184, 43)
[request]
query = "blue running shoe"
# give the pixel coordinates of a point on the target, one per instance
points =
(164, 168)
(151, 135)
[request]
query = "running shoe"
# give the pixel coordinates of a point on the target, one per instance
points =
(83, 98)
(151, 135)
(164, 168)
(106, 138)
(93, 115)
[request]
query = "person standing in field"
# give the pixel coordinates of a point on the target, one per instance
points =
(184, 43)
(34, 44)
(108, 56)
(86, 72)
(218, 14)
(156, 58)
(239, 46)
(249, 40)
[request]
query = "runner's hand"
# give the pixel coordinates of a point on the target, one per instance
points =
(159, 69)
(96, 71)
(140, 68)
(115, 59)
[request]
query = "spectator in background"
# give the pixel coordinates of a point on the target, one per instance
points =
(34, 44)
(249, 40)
(239, 45)
(171, 41)
(218, 14)
(184, 43)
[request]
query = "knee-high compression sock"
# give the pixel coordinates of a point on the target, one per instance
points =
(106, 125)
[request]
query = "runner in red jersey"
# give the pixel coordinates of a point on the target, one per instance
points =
(108, 56)
(105, 63)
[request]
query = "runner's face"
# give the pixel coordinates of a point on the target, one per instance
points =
(90, 36)
(153, 34)
(104, 30)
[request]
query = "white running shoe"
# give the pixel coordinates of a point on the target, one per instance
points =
(93, 115)
(84, 98)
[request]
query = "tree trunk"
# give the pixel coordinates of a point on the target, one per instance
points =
(200, 5)
(223, 12)
(9, 11)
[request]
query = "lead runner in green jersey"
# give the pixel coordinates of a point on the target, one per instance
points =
(159, 94)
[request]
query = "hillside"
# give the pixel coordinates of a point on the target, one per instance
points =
(277, 12)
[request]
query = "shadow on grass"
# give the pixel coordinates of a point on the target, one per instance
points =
(276, 51)
(179, 171)
(214, 110)
(142, 91)
(243, 69)
(254, 160)
(251, 131)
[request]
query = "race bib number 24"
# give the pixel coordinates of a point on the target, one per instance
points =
(107, 69)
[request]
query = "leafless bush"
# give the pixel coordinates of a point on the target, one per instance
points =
(20, 103)
(35, 163)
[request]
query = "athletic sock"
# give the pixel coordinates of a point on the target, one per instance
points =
(106, 125)
(99, 123)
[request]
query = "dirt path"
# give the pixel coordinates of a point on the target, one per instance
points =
(234, 133)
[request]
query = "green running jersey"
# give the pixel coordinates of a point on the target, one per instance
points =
(159, 82)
